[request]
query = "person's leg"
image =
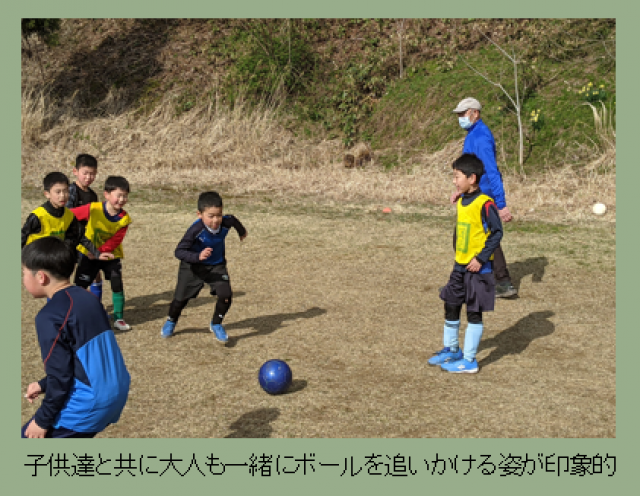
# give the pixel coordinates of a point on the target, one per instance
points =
(113, 273)
(218, 280)
(86, 271)
(504, 288)
(473, 335)
(453, 295)
(96, 287)
(187, 287)
(225, 297)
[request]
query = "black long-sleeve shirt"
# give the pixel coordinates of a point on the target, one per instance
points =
(198, 237)
(73, 237)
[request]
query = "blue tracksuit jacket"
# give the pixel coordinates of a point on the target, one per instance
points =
(87, 382)
(480, 142)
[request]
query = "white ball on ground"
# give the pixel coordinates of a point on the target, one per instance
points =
(599, 208)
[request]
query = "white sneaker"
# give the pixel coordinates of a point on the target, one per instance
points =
(121, 325)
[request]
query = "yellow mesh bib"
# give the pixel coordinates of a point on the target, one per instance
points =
(470, 233)
(50, 225)
(100, 229)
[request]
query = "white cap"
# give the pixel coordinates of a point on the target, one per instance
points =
(466, 104)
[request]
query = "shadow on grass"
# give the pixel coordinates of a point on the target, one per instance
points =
(263, 326)
(268, 324)
(145, 308)
(254, 424)
(516, 339)
(296, 385)
(534, 266)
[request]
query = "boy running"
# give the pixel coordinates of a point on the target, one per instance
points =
(202, 260)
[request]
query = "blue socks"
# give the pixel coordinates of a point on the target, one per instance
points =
(96, 290)
(451, 334)
(472, 340)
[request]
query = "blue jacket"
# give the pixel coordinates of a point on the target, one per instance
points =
(480, 142)
(87, 383)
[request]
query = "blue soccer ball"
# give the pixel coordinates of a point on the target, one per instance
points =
(275, 376)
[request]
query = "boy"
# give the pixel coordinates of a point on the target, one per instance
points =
(52, 218)
(86, 382)
(107, 225)
(479, 231)
(202, 260)
(80, 193)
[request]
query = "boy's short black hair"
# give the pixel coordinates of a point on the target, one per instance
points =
(54, 178)
(469, 164)
(51, 255)
(209, 199)
(116, 182)
(86, 160)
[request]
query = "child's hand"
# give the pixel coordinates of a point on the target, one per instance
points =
(35, 431)
(454, 197)
(33, 390)
(206, 253)
(90, 256)
(106, 256)
(474, 266)
(246, 233)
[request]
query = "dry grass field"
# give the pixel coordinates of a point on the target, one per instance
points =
(348, 296)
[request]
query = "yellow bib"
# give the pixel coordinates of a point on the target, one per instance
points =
(50, 225)
(470, 235)
(100, 229)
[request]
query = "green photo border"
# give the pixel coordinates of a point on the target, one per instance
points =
(17, 479)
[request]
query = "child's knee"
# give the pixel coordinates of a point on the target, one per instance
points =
(474, 317)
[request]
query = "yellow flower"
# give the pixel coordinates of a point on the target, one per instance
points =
(590, 84)
(533, 112)
(602, 86)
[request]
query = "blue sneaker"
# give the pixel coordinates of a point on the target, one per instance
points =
(461, 366)
(218, 330)
(168, 328)
(445, 355)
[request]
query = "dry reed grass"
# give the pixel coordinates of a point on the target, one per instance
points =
(245, 150)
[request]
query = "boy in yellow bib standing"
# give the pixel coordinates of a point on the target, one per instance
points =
(107, 225)
(53, 219)
(479, 231)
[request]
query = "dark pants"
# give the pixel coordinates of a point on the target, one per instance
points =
(88, 269)
(500, 271)
(61, 432)
(192, 278)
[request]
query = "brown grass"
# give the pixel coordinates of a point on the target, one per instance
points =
(247, 151)
(349, 299)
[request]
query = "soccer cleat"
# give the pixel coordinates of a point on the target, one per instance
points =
(461, 366)
(505, 290)
(220, 333)
(121, 325)
(168, 328)
(444, 355)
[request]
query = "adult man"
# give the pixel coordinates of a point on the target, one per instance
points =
(480, 142)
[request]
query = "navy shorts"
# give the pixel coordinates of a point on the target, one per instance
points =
(477, 291)
(60, 432)
(88, 269)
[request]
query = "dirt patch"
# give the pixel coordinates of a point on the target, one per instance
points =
(348, 296)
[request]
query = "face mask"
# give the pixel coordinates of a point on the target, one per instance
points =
(465, 123)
